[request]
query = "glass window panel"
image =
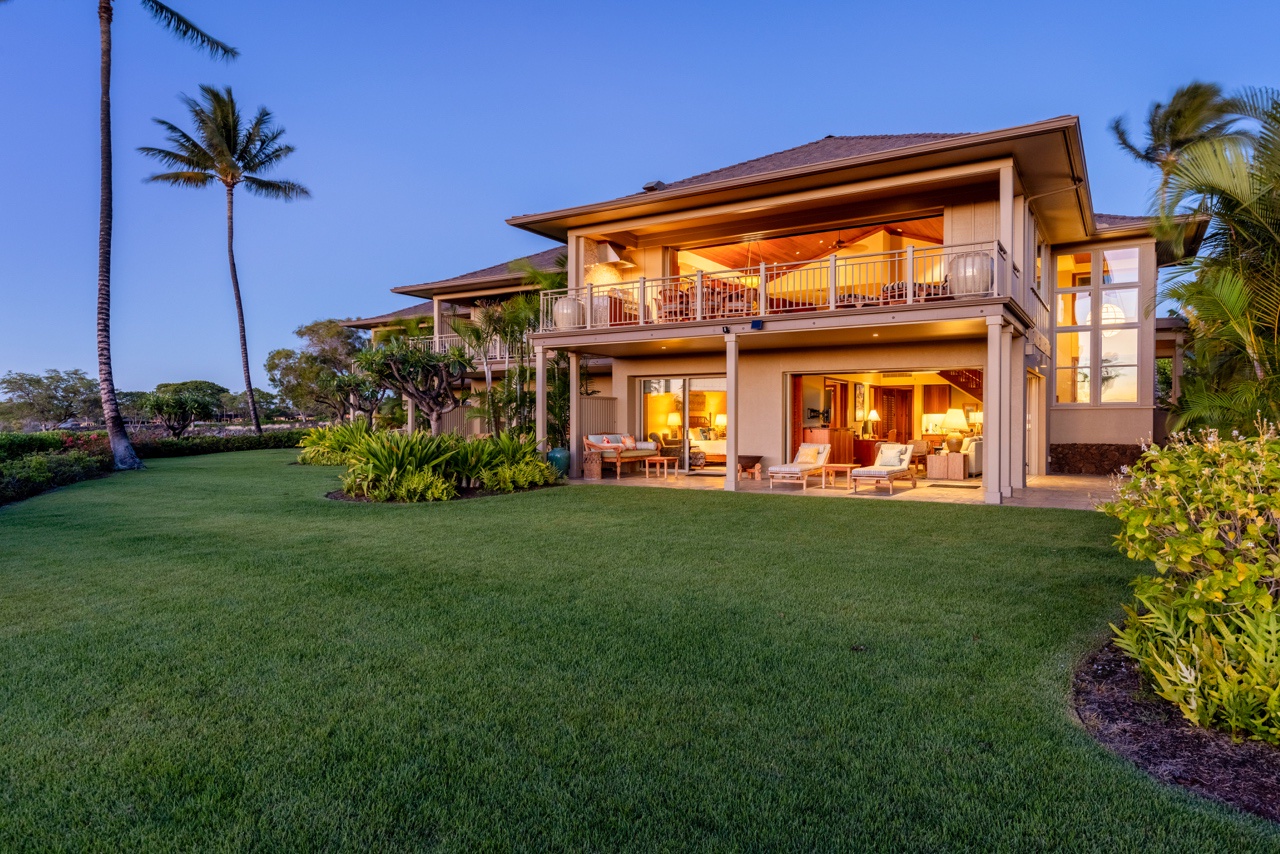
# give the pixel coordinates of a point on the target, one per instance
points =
(1119, 306)
(1119, 265)
(1073, 308)
(1075, 270)
(1119, 384)
(1120, 347)
(1073, 386)
(1072, 349)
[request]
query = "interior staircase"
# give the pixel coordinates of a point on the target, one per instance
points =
(970, 382)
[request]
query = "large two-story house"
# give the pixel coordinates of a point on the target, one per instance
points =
(858, 287)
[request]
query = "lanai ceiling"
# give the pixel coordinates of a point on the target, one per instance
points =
(803, 247)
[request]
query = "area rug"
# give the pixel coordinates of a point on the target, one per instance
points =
(955, 485)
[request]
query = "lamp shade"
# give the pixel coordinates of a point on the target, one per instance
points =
(955, 420)
(722, 420)
(975, 418)
(873, 416)
(673, 420)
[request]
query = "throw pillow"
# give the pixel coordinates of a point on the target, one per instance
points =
(628, 442)
(807, 455)
(890, 456)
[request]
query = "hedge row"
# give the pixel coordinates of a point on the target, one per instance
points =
(36, 473)
(156, 448)
(14, 445)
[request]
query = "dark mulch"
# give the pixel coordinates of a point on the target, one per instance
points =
(1151, 733)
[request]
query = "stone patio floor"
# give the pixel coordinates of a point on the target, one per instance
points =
(1065, 492)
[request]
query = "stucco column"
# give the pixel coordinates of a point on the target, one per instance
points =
(731, 413)
(435, 325)
(411, 411)
(575, 419)
(1179, 344)
(540, 396)
(1018, 421)
(1009, 427)
(993, 431)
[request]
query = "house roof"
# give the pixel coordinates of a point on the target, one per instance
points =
(1050, 169)
(422, 309)
(496, 275)
(1123, 225)
(824, 150)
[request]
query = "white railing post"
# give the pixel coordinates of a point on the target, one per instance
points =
(591, 304)
(697, 293)
(831, 284)
(764, 289)
(640, 301)
(910, 281)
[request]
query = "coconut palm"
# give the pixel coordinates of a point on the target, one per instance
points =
(1195, 113)
(224, 149)
(479, 334)
(121, 448)
(1231, 292)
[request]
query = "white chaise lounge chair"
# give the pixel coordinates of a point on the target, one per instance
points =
(893, 462)
(810, 458)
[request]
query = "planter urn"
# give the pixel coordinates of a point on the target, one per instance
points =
(559, 459)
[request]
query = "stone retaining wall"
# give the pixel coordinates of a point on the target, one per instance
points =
(1091, 458)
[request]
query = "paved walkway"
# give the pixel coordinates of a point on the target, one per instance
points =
(1067, 492)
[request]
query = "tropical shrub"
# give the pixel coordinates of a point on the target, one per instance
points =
(36, 473)
(330, 446)
(472, 458)
(379, 461)
(508, 477)
(1205, 630)
(424, 486)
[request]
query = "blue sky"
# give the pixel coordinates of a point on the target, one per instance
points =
(420, 127)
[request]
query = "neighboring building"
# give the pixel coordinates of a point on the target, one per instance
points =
(792, 296)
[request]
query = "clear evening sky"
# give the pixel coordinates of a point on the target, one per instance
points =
(421, 126)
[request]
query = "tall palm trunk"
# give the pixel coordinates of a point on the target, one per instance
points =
(235, 288)
(121, 448)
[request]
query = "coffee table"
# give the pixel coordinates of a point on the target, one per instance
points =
(834, 469)
(655, 462)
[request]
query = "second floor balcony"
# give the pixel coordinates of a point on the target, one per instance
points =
(836, 283)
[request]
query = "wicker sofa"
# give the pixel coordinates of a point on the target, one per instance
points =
(613, 448)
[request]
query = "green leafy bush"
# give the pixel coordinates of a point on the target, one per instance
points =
(330, 446)
(378, 461)
(36, 473)
(150, 447)
(424, 486)
(14, 445)
(508, 477)
(1206, 630)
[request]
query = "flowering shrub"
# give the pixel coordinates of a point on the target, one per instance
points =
(35, 473)
(1206, 630)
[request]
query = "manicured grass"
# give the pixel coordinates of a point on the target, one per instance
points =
(210, 655)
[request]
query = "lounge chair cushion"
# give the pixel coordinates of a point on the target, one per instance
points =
(891, 454)
(879, 471)
(807, 454)
(793, 468)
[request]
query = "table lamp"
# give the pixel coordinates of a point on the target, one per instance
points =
(721, 421)
(673, 421)
(954, 421)
(873, 417)
(976, 420)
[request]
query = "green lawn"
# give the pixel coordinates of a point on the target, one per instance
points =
(210, 655)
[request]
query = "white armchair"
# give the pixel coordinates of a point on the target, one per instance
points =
(972, 449)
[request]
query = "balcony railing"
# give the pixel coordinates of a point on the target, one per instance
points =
(497, 351)
(911, 276)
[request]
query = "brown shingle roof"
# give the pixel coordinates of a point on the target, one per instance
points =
(422, 309)
(1119, 220)
(828, 148)
(545, 261)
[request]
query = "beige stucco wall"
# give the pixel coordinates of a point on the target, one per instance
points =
(763, 376)
(1104, 425)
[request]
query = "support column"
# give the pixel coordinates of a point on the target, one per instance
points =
(1179, 344)
(1008, 428)
(540, 396)
(575, 419)
(993, 433)
(435, 325)
(411, 410)
(731, 413)
(1018, 423)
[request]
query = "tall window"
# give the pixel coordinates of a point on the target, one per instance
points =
(1096, 346)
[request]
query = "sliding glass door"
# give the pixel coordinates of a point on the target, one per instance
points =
(688, 416)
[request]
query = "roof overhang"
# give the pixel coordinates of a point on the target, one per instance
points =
(1193, 226)
(1048, 156)
(480, 288)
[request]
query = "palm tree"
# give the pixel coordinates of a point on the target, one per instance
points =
(121, 448)
(1197, 112)
(1231, 292)
(478, 337)
(225, 150)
